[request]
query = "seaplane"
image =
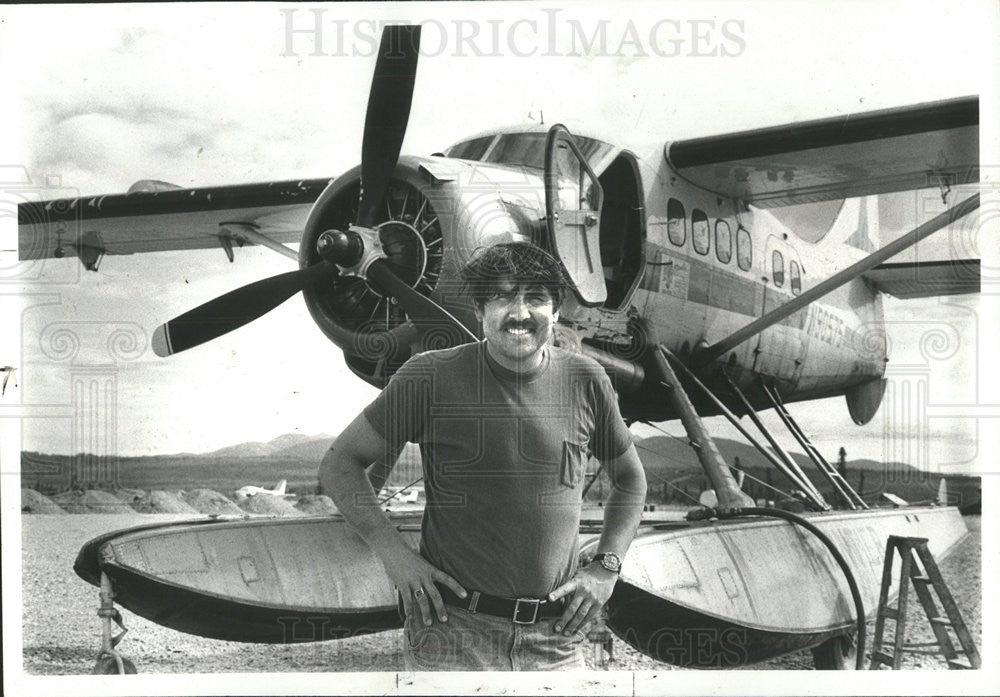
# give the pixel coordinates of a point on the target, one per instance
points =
(690, 293)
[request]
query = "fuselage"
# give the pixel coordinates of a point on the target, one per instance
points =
(696, 265)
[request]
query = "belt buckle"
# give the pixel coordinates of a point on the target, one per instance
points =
(517, 610)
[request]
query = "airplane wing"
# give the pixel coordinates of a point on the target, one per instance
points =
(926, 279)
(159, 218)
(913, 147)
(863, 266)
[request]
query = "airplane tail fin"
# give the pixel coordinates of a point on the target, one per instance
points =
(280, 489)
(856, 225)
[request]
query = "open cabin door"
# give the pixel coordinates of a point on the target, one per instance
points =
(573, 198)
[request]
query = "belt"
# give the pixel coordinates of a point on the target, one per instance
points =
(518, 610)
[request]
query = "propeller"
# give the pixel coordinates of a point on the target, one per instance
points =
(385, 126)
(424, 312)
(388, 113)
(234, 309)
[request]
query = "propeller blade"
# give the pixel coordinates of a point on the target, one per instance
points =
(233, 310)
(438, 327)
(388, 112)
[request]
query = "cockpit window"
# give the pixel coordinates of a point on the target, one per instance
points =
(525, 149)
(470, 149)
(521, 149)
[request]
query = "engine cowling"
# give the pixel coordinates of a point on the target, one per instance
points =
(436, 213)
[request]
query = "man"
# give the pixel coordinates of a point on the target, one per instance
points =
(504, 427)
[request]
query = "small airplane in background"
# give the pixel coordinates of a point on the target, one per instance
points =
(249, 490)
(401, 495)
(693, 297)
(941, 499)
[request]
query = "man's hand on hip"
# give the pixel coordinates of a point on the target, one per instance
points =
(414, 577)
(588, 590)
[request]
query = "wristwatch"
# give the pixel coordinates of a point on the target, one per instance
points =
(610, 561)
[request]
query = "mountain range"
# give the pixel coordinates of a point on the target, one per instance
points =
(659, 454)
(664, 456)
(672, 470)
(292, 446)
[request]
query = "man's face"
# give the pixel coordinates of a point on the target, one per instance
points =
(517, 323)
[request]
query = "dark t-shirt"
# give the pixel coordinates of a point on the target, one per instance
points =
(503, 456)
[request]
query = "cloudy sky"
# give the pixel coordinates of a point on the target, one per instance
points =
(215, 94)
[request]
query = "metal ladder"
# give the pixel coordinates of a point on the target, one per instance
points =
(909, 572)
(835, 478)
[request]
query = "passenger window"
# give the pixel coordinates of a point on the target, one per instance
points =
(723, 241)
(778, 268)
(699, 231)
(795, 277)
(744, 249)
(676, 222)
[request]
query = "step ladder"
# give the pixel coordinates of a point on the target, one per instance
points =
(923, 582)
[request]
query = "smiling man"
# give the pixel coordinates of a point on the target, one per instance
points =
(505, 428)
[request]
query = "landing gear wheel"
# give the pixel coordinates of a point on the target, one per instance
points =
(838, 653)
(107, 664)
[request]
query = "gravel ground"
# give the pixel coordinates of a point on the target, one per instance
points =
(62, 632)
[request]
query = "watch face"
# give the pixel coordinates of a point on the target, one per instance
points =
(611, 562)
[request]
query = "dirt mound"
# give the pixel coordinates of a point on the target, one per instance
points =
(33, 502)
(211, 502)
(311, 504)
(265, 504)
(91, 501)
(129, 496)
(162, 502)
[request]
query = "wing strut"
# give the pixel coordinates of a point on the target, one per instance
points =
(835, 478)
(837, 280)
(808, 488)
(785, 464)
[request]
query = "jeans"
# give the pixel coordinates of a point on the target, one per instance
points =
(477, 641)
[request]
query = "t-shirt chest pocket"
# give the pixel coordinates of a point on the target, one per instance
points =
(574, 463)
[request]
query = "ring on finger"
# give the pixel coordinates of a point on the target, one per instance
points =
(419, 593)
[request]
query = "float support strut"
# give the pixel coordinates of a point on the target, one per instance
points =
(727, 491)
(108, 659)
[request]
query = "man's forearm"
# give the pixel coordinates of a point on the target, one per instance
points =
(623, 512)
(344, 479)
